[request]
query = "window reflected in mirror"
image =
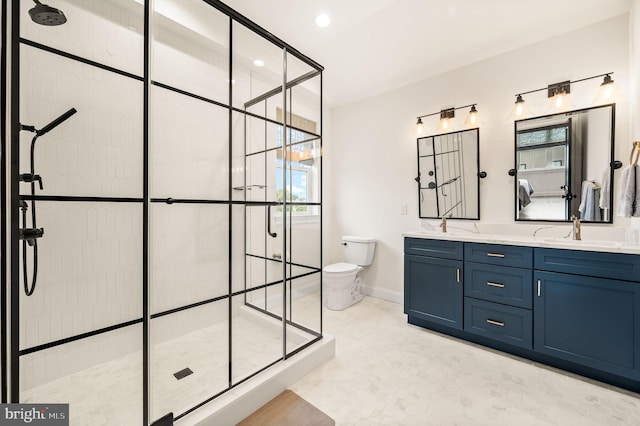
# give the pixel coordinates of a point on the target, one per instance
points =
(563, 163)
(448, 167)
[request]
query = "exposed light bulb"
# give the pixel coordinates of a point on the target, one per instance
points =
(519, 109)
(445, 123)
(559, 100)
(420, 126)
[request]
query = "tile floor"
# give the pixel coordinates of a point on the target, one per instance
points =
(391, 373)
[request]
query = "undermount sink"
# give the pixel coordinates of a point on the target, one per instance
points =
(585, 243)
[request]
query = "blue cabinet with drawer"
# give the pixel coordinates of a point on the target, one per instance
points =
(575, 310)
(497, 303)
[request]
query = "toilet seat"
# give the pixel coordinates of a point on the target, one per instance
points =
(341, 268)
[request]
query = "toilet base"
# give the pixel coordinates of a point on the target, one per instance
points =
(338, 300)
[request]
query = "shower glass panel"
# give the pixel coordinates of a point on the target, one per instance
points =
(190, 256)
(190, 147)
(98, 151)
(109, 32)
(98, 376)
(80, 333)
(180, 206)
(190, 357)
(191, 49)
(256, 338)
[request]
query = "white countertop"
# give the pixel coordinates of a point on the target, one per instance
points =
(527, 240)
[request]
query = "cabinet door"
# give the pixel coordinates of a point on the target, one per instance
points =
(433, 289)
(590, 321)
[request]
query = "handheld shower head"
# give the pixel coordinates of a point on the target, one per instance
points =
(55, 123)
(46, 15)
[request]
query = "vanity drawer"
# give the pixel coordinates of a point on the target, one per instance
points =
(590, 263)
(497, 254)
(498, 322)
(434, 248)
(502, 284)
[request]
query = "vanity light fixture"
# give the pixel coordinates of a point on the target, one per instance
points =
(446, 116)
(520, 108)
(558, 93)
(472, 118)
(445, 119)
(607, 88)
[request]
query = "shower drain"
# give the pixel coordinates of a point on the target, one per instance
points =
(182, 373)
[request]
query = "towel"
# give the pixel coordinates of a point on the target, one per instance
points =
(629, 192)
(524, 191)
(589, 209)
(605, 189)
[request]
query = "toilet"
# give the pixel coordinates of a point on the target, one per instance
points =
(341, 281)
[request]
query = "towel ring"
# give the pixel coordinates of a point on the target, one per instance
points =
(635, 150)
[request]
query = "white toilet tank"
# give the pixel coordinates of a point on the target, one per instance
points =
(359, 250)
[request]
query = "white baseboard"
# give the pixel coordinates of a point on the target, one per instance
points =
(391, 296)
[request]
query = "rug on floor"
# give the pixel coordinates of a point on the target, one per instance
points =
(288, 409)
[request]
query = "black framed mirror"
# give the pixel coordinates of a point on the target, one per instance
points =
(563, 165)
(448, 175)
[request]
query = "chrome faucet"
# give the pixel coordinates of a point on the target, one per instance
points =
(576, 228)
(443, 225)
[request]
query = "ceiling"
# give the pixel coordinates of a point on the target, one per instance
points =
(374, 46)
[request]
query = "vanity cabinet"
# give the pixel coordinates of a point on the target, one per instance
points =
(587, 311)
(433, 281)
(575, 310)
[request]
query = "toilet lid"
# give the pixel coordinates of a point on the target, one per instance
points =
(341, 267)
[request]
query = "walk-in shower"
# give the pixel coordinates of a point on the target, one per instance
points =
(182, 206)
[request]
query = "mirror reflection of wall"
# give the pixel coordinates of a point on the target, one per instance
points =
(448, 175)
(563, 165)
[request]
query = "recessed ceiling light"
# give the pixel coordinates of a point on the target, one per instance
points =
(323, 20)
(258, 63)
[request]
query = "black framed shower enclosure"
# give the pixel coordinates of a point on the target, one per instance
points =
(181, 206)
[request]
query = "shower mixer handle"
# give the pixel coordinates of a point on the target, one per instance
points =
(30, 234)
(29, 177)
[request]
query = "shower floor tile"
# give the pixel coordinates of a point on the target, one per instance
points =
(111, 393)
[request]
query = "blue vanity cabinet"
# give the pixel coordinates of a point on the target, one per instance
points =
(589, 320)
(433, 288)
(576, 310)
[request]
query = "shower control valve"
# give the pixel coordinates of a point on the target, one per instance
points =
(30, 234)
(29, 177)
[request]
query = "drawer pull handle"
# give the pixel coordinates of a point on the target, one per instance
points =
(500, 323)
(457, 274)
(495, 284)
(538, 288)
(495, 254)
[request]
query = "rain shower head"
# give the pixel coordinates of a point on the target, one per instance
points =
(55, 123)
(46, 15)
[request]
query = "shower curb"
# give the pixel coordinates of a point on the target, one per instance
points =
(235, 405)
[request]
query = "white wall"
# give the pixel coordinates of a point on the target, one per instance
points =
(372, 149)
(634, 55)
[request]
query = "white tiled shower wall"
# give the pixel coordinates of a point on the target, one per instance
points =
(90, 270)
